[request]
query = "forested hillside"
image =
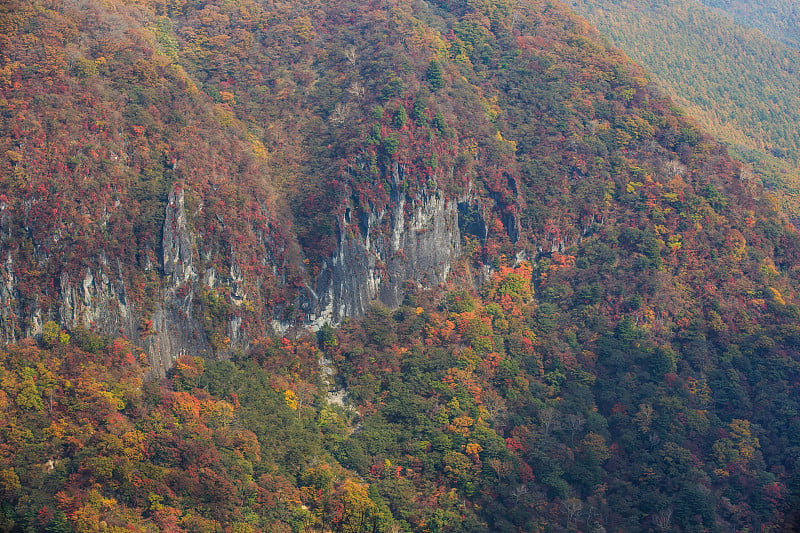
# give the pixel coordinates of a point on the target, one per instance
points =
(740, 83)
(448, 266)
(779, 19)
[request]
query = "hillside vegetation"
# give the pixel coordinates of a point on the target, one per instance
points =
(615, 346)
(740, 83)
(778, 19)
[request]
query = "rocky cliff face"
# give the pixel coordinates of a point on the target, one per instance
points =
(98, 300)
(175, 329)
(9, 304)
(95, 233)
(379, 252)
(412, 241)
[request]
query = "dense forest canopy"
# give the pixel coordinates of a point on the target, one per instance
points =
(779, 19)
(614, 347)
(736, 75)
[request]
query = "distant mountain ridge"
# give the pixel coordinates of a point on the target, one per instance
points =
(742, 84)
(779, 19)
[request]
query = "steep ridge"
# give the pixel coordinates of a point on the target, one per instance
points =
(779, 19)
(738, 82)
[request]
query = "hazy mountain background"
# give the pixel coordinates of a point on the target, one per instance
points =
(778, 19)
(732, 65)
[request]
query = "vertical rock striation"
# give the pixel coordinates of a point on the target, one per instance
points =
(176, 331)
(411, 241)
(379, 253)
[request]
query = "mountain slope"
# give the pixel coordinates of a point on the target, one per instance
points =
(778, 19)
(738, 82)
(561, 304)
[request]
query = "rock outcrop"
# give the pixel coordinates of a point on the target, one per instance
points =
(9, 303)
(411, 241)
(175, 329)
(98, 300)
(378, 254)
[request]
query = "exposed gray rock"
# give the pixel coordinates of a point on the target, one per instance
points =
(379, 253)
(177, 241)
(175, 329)
(370, 265)
(9, 303)
(98, 301)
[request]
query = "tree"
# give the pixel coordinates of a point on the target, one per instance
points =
(435, 75)
(663, 519)
(572, 507)
(575, 423)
